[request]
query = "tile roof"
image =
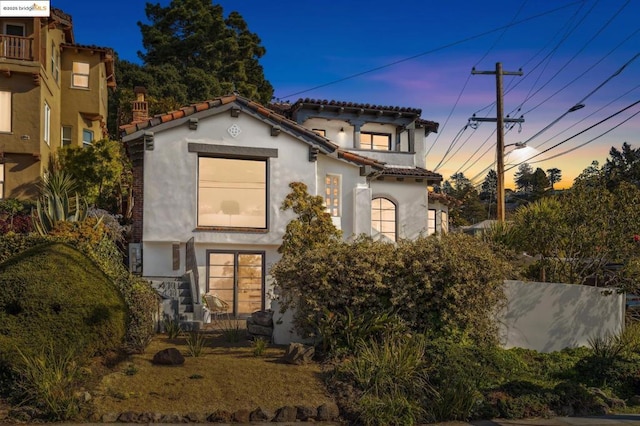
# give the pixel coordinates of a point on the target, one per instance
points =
(278, 119)
(444, 198)
(340, 104)
(417, 172)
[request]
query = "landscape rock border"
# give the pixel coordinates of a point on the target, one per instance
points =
(328, 412)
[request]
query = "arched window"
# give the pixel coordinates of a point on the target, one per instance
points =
(383, 217)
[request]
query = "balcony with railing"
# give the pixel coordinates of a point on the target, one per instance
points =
(16, 47)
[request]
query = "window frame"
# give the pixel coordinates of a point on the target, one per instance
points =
(2, 171)
(332, 197)
(432, 222)
(46, 129)
(63, 139)
(219, 227)
(372, 134)
(381, 221)
(55, 62)
(236, 254)
(9, 110)
(80, 74)
(321, 132)
(88, 132)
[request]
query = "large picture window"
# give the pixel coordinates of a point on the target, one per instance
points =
(232, 193)
(238, 279)
(383, 217)
(375, 141)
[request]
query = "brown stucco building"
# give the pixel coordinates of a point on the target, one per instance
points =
(53, 93)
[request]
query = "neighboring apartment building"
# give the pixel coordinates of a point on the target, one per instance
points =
(53, 93)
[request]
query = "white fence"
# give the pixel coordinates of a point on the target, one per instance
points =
(548, 317)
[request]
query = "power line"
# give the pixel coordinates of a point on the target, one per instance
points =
(587, 142)
(446, 46)
(577, 134)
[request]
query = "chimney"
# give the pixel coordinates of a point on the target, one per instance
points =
(139, 107)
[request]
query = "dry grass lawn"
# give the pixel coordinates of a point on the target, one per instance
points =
(227, 376)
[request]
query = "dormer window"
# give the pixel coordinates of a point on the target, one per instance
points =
(375, 141)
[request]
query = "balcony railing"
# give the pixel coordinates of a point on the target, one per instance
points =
(16, 47)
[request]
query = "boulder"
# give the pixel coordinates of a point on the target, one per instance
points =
(241, 416)
(259, 415)
(263, 318)
(304, 412)
(328, 412)
(220, 416)
(128, 417)
(259, 330)
(299, 354)
(169, 356)
(286, 414)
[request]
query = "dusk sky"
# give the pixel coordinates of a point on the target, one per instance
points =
(420, 54)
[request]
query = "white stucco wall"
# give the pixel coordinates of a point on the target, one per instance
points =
(549, 317)
(411, 201)
(170, 175)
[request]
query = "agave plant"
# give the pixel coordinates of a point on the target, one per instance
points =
(55, 204)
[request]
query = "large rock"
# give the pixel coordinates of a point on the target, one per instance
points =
(259, 330)
(259, 415)
(241, 416)
(264, 318)
(220, 416)
(299, 354)
(286, 414)
(304, 412)
(169, 356)
(328, 412)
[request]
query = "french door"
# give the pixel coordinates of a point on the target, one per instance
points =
(237, 277)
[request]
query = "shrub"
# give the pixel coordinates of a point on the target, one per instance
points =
(196, 342)
(49, 381)
(392, 376)
(260, 345)
(53, 294)
(171, 327)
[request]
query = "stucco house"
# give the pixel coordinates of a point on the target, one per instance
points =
(209, 180)
(53, 93)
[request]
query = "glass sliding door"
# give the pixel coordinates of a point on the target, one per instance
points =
(238, 279)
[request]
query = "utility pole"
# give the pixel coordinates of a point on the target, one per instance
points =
(500, 120)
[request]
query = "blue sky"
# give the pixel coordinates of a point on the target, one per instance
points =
(420, 54)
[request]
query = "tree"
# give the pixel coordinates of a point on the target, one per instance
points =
(471, 209)
(101, 172)
(192, 53)
(622, 166)
(489, 186)
(539, 182)
(194, 37)
(523, 178)
(554, 175)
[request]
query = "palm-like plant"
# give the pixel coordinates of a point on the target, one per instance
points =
(55, 204)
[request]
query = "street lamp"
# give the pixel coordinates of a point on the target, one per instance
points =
(500, 213)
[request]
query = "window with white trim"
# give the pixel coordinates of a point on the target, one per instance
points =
(232, 193)
(87, 137)
(5, 111)
(431, 222)
(332, 194)
(66, 135)
(47, 124)
(55, 62)
(80, 75)
(444, 222)
(383, 217)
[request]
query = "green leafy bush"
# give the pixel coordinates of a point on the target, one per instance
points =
(53, 294)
